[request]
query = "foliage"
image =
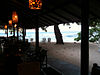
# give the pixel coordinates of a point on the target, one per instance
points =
(94, 31)
(94, 34)
(79, 37)
(44, 28)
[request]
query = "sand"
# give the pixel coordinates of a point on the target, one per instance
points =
(70, 52)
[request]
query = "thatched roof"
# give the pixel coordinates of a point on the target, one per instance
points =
(52, 12)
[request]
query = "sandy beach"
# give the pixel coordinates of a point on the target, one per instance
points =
(70, 52)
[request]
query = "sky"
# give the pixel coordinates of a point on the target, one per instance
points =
(63, 28)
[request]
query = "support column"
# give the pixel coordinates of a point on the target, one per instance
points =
(17, 33)
(7, 31)
(37, 37)
(37, 33)
(23, 34)
(13, 31)
(85, 38)
(25, 31)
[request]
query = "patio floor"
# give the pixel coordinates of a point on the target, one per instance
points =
(64, 67)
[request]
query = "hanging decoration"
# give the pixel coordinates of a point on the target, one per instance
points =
(14, 17)
(35, 4)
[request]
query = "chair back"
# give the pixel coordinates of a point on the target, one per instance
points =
(95, 69)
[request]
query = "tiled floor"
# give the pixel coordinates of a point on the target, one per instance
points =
(64, 67)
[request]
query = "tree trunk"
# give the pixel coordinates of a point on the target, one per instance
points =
(58, 35)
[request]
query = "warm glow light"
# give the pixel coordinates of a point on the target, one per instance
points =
(20, 50)
(14, 17)
(15, 25)
(20, 29)
(35, 4)
(5, 26)
(10, 22)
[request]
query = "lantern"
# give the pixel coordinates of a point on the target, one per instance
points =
(35, 4)
(5, 27)
(14, 17)
(10, 22)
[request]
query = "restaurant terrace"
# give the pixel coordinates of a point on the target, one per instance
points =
(33, 14)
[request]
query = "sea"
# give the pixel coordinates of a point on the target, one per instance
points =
(68, 36)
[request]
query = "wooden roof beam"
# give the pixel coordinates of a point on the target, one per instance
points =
(23, 8)
(41, 24)
(94, 14)
(71, 13)
(62, 16)
(49, 19)
(54, 18)
(46, 20)
(43, 21)
(49, 10)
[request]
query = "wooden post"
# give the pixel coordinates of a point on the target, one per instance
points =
(37, 33)
(37, 37)
(25, 31)
(13, 31)
(7, 31)
(17, 33)
(23, 34)
(84, 38)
